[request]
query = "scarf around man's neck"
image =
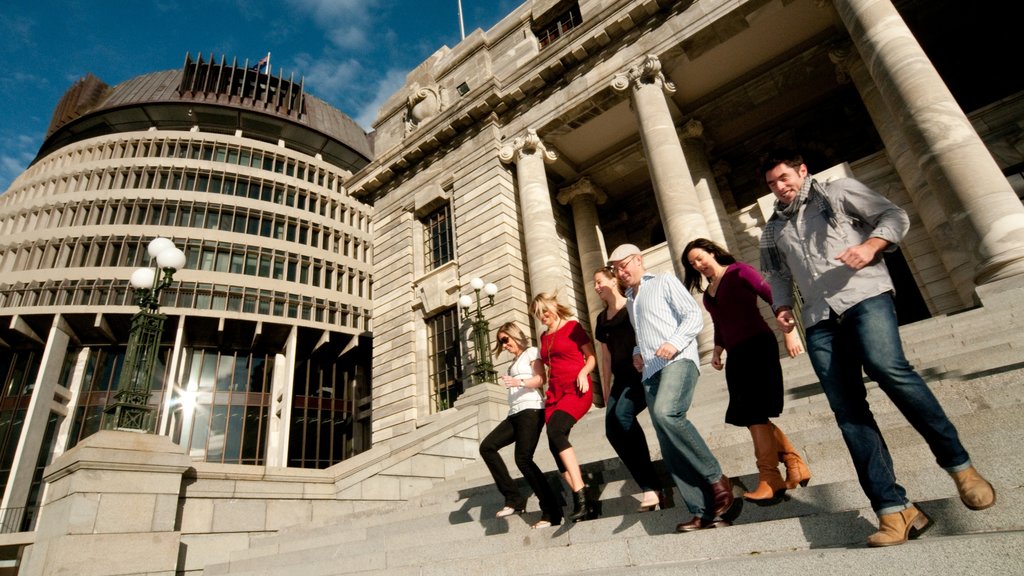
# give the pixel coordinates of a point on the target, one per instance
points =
(810, 192)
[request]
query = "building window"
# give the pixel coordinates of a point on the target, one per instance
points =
(439, 243)
(445, 363)
(547, 31)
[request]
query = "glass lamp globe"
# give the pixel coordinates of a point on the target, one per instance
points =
(158, 245)
(143, 278)
(465, 301)
(476, 283)
(490, 289)
(171, 258)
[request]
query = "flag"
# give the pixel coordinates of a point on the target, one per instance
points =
(265, 61)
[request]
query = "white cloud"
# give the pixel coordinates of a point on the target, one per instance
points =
(344, 21)
(18, 151)
(391, 82)
(328, 78)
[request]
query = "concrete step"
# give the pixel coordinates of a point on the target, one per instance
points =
(450, 528)
(469, 514)
(609, 545)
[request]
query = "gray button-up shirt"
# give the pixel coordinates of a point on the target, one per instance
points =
(809, 245)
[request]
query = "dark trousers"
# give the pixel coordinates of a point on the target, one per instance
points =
(626, 436)
(523, 429)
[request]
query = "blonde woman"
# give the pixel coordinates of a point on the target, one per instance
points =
(525, 383)
(568, 353)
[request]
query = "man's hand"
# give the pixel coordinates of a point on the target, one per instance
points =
(666, 351)
(859, 256)
(785, 320)
(638, 362)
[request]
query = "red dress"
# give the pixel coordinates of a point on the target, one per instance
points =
(562, 352)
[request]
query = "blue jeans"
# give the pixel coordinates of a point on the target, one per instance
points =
(625, 434)
(692, 465)
(867, 336)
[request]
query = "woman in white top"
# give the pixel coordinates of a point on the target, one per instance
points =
(525, 383)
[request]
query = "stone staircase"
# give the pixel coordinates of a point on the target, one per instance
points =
(974, 361)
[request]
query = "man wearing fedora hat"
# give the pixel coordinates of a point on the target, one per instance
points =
(667, 320)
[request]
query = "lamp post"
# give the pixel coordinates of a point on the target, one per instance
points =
(130, 409)
(484, 371)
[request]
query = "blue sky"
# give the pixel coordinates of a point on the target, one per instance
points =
(353, 53)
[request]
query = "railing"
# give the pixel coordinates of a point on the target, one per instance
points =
(18, 519)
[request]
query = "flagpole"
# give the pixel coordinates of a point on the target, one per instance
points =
(462, 27)
(269, 69)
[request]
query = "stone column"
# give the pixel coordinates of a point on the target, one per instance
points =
(584, 197)
(110, 508)
(548, 273)
(695, 151)
(985, 213)
(677, 198)
(955, 257)
(30, 442)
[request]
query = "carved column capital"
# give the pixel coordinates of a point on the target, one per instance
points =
(842, 55)
(582, 188)
(526, 145)
(648, 71)
(693, 129)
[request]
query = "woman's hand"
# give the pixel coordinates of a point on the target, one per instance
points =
(583, 383)
(793, 344)
(716, 358)
(511, 382)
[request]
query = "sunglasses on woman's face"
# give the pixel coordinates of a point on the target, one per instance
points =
(503, 340)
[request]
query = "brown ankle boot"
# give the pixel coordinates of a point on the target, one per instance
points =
(797, 472)
(975, 492)
(770, 483)
(897, 527)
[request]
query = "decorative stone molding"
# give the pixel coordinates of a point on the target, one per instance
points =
(424, 103)
(841, 55)
(693, 130)
(648, 71)
(582, 188)
(526, 145)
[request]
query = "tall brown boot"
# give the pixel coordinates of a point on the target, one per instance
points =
(770, 483)
(797, 472)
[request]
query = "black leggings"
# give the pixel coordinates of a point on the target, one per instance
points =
(559, 426)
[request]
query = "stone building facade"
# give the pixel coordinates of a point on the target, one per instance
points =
(572, 126)
(265, 359)
(520, 156)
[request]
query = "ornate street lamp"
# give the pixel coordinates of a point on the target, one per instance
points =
(484, 371)
(130, 409)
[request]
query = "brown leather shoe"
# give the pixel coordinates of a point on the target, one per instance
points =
(898, 527)
(698, 523)
(975, 492)
(722, 492)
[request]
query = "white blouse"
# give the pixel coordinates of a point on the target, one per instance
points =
(524, 398)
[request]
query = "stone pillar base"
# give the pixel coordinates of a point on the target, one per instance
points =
(110, 508)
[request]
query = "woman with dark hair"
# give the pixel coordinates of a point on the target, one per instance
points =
(753, 373)
(569, 354)
(623, 391)
(525, 383)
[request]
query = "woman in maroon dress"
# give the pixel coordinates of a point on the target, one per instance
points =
(753, 373)
(568, 353)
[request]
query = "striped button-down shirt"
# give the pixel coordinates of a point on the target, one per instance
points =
(661, 311)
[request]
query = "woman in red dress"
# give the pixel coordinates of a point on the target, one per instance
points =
(568, 353)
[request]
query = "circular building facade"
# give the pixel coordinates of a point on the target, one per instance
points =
(265, 357)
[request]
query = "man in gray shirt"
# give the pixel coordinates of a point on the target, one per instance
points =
(827, 239)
